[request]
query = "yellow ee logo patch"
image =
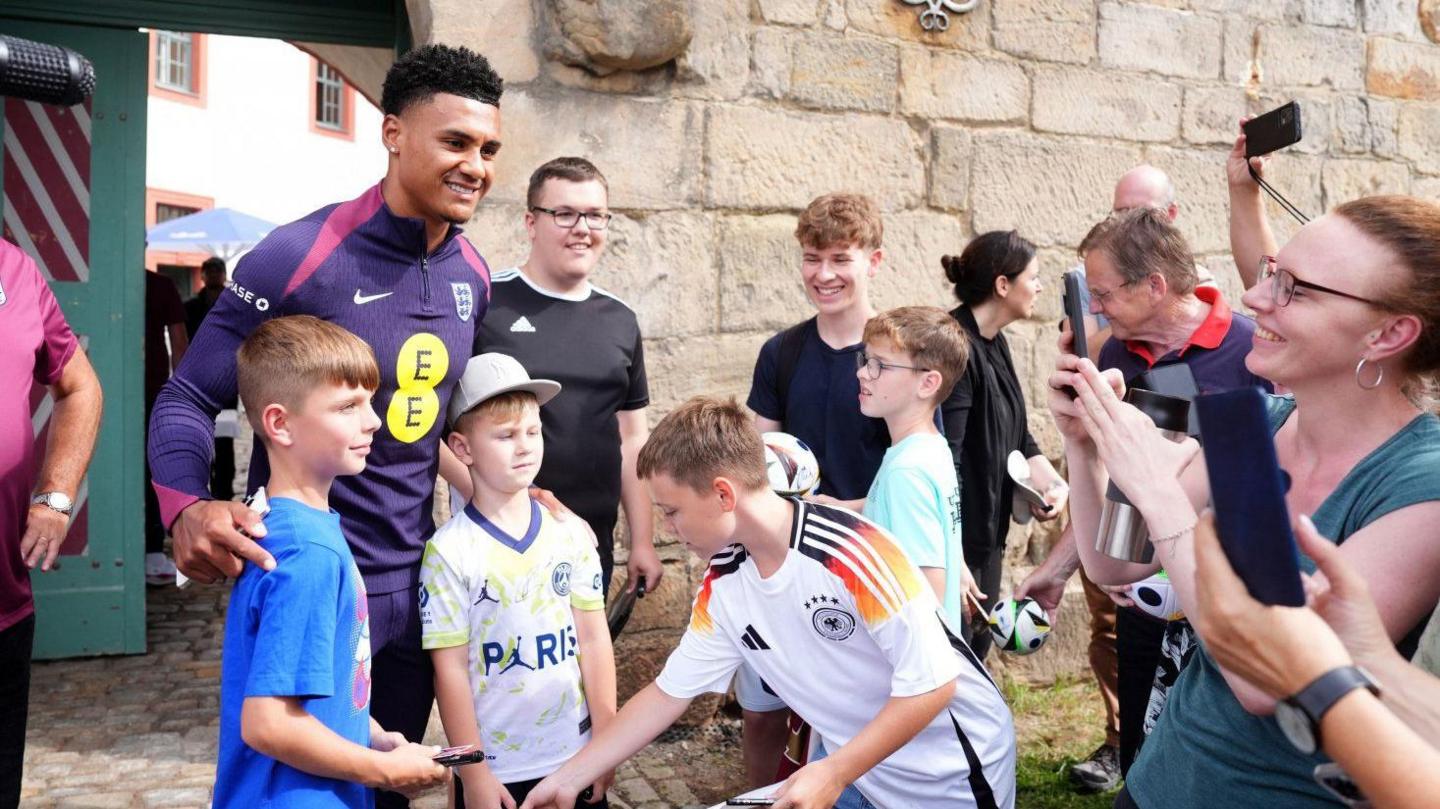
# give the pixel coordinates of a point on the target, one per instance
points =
(419, 367)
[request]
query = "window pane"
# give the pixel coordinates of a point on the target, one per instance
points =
(164, 212)
(174, 52)
(329, 97)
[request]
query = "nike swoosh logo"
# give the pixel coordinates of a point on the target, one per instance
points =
(368, 298)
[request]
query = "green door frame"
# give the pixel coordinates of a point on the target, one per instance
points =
(94, 603)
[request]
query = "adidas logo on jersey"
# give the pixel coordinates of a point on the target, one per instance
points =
(753, 641)
(523, 324)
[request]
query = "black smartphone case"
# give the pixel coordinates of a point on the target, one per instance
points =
(1272, 131)
(1247, 492)
(1075, 310)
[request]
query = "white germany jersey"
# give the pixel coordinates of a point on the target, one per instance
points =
(510, 600)
(846, 623)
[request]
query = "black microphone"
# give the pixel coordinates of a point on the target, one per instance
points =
(45, 73)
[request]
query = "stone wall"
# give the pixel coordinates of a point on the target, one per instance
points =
(1021, 115)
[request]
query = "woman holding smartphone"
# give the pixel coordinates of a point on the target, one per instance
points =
(1348, 320)
(997, 281)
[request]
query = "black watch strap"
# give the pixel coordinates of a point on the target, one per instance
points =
(1327, 689)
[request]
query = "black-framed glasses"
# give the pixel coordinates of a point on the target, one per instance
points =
(1101, 297)
(1283, 284)
(874, 366)
(595, 220)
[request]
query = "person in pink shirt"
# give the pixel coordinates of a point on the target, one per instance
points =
(36, 493)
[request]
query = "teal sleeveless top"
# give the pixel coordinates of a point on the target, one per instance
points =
(1207, 751)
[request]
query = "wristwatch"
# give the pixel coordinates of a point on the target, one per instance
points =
(55, 501)
(1299, 716)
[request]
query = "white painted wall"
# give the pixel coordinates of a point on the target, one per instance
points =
(251, 147)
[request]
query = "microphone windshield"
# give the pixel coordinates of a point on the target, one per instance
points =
(46, 73)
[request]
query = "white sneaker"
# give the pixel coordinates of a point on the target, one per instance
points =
(159, 570)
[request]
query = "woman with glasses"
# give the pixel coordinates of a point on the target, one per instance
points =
(1346, 319)
(997, 281)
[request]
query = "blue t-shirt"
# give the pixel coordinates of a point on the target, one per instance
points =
(916, 497)
(301, 630)
(822, 408)
(1206, 750)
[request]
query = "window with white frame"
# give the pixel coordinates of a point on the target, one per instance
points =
(175, 61)
(329, 98)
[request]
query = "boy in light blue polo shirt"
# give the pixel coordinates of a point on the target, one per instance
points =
(912, 357)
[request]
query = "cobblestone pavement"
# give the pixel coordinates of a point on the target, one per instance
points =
(141, 731)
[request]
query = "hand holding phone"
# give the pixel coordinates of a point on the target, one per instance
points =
(1273, 131)
(460, 755)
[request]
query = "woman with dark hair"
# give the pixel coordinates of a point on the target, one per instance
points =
(997, 281)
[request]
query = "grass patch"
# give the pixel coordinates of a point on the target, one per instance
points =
(1055, 726)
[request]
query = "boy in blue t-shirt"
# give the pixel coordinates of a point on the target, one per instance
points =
(295, 726)
(911, 359)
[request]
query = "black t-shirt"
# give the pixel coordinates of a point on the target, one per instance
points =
(591, 345)
(822, 408)
(984, 422)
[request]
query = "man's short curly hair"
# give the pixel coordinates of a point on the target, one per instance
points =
(422, 73)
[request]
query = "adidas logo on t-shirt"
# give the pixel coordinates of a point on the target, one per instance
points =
(523, 324)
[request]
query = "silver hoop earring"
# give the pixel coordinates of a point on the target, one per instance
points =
(1379, 375)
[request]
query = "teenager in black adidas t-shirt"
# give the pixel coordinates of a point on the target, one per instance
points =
(547, 315)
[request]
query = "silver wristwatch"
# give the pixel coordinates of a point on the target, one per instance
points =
(55, 501)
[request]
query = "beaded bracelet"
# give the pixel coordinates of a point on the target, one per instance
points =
(1174, 536)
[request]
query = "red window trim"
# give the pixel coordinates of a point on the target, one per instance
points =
(157, 196)
(199, 44)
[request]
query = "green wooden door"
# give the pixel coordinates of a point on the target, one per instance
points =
(94, 601)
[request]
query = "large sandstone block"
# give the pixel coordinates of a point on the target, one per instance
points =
(1212, 114)
(721, 365)
(951, 148)
(662, 265)
(612, 132)
(1305, 56)
(498, 232)
(762, 158)
(1201, 194)
(1093, 102)
(1404, 70)
(1384, 120)
(894, 20)
(943, 84)
(911, 274)
(1253, 9)
(1427, 188)
(1335, 13)
(770, 63)
(1344, 180)
(1048, 30)
(1392, 18)
(1050, 189)
(1173, 43)
(844, 73)
(789, 12)
(760, 261)
(503, 30)
(1227, 277)
(717, 63)
(1352, 125)
(1417, 140)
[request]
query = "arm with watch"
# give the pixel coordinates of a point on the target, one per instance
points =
(68, 449)
(1342, 686)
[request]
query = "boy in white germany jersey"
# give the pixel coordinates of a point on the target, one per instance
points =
(511, 605)
(836, 619)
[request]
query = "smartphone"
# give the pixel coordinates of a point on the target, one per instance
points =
(750, 802)
(1075, 310)
(1274, 130)
(463, 754)
(258, 503)
(1247, 491)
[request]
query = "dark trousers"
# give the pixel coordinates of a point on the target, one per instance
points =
(520, 790)
(1137, 645)
(402, 682)
(222, 471)
(1124, 801)
(16, 644)
(604, 529)
(985, 566)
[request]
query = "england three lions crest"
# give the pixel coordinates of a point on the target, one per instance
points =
(464, 300)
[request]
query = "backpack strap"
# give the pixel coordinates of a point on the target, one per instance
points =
(792, 340)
